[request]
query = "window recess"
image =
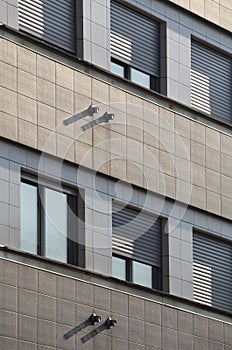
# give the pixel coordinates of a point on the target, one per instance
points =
(212, 271)
(51, 220)
(135, 75)
(211, 81)
(50, 20)
(135, 46)
(137, 246)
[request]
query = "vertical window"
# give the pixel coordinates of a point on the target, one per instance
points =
(56, 225)
(142, 274)
(29, 218)
(134, 46)
(137, 246)
(211, 81)
(119, 268)
(49, 221)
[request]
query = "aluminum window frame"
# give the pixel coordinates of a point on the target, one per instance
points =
(157, 271)
(156, 282)
(75, 234)
(154, 81)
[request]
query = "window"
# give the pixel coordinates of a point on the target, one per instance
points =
(119, 268)
(50, 220)
(212, 271)
(119, 68)
(137, 247)
(135, 75)
(50, 20)
(211, 81)
(135, 46)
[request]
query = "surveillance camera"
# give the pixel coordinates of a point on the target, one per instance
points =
(95, 318)
(110, 322)
(93, 109)
(110, 116)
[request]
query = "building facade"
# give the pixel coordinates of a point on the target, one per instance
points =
(116, 174)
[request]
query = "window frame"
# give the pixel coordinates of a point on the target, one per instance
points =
(75, 202)
(157, 271)
(154, 81)
(215, 239)
(156, 282)
(216, 80)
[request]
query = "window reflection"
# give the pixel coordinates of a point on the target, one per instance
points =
(56, 225)
(142, 274)
(49, 221)
(119, 268)
(117, 69)
(140, 78)
(29, 223)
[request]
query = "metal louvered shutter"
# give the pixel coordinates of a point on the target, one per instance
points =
(50, 20)
(211, 81)
(212, 271)
(134, 39)
(136, 235)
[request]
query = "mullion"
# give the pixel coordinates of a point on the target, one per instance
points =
(127, 72)
(129, 270)
(156, 278)
(72, 244)
(154, 83)
(41, 221)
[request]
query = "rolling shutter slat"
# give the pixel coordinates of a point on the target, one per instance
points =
(211, 81)
(136, 235)
(134, 39)
(212, 271)
(53, 21)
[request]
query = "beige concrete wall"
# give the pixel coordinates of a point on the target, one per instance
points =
(216, 11)
(146, 144)
(39, 307)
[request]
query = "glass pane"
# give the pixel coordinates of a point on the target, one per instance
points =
(140, 78)
(56, 225)
(29, 223)
(119, 268)
(142, 274)
(117, 69)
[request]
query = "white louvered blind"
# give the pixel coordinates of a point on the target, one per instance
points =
(135, 39)
(50, 20)
(212, 271)
(211, 81)
(136, 235)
